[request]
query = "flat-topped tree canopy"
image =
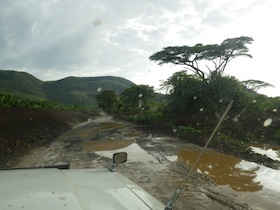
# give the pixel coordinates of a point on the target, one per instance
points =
(218, 54)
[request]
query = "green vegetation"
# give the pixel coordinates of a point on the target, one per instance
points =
(83, 91)
(80, 91)
(148, 117)
(197, 97)
(217, 56)
(21, 84)
(137, 97)
(8, 101)
(107, 100)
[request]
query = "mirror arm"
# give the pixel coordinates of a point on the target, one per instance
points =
(112, 167)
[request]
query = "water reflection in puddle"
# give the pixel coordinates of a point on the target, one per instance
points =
(252, 183)
(223, 169)
(134, 151)
(107, 144)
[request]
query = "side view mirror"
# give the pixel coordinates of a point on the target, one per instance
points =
(120, 157)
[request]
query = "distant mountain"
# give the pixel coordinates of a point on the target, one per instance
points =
(21, 84)
(70, 90)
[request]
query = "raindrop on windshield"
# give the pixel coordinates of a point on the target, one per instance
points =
(195, 97)
(99, 89)
(274, 110)
(140, 104)
(267, 122)
(97, 22)
(140, 95)
(201, 109)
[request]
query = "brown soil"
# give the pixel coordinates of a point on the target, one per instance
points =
(24, 129)
(33, 131)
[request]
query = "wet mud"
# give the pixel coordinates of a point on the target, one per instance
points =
(158, 164)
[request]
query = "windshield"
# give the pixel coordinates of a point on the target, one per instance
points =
(169, 67)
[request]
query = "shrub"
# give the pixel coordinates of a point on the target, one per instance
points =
(149, 117)
(277, 135)
(227, 143)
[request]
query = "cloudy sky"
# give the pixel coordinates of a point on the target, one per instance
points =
(53, 39)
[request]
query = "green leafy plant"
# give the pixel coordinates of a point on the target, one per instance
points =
(148, 117)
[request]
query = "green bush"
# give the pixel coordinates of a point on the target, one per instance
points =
(277, 135)
(6, 100)
(148, 117)
(227, 143)
(187, 130)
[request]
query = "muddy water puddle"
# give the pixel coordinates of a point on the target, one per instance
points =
(252, 183)
(223, 169)
(90, 144)
(108, 144)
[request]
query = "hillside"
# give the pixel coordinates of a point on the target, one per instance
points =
(21, 84)
(70, 90)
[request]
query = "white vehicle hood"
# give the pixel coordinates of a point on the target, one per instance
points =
(74, 189)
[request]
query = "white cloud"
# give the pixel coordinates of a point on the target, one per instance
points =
(55, 39)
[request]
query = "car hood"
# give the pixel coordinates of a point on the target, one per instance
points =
(76, 189)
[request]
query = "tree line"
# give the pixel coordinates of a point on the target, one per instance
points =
(196, 97)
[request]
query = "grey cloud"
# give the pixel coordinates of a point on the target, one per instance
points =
(53, 37)
(224, 13)
(215, 18)
(61, 34)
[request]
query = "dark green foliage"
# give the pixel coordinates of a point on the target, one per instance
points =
(227, 143)
(188, 131)
(107, 100)
(217, 55)
(183, 91)
(218, 92)
(197, 97)
(149, 117)
(137, 97)
(255, 84)
(189, 95)
(277, 135)
(6, 100)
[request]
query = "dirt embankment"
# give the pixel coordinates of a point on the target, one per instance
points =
(23, 129)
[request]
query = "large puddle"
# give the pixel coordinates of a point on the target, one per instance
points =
(253, 183)
(224, 169)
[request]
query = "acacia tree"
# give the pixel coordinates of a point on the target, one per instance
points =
(256, 84)
(218, 55)
(203, 79)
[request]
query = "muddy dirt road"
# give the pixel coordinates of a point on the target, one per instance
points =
(151, 161)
